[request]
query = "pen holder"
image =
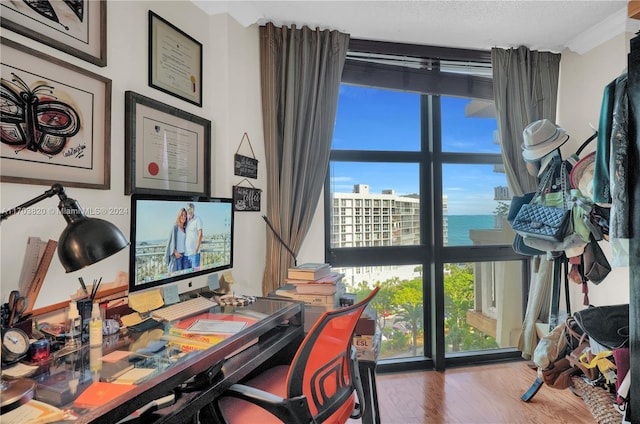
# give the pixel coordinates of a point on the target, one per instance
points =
(84, 309)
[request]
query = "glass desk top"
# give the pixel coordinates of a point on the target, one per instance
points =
(107, 383)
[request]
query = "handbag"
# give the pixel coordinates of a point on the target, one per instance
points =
(518, 244)
(580, 341)
(607, 325)
(596, 265)
(541, 221)
(520, 247)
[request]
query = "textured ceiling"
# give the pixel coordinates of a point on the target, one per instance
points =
(540, 25)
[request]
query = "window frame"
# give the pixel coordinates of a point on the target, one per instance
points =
(431, 254)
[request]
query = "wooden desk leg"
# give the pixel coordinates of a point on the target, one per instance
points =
(368, 376)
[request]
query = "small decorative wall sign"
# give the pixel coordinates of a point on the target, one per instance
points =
(246, 199)
(245, 166)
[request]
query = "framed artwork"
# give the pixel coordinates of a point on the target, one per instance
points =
(55, 122)
(175, 61)
(77, 27)
(167, 150)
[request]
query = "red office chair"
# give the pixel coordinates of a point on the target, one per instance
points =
(318, 386)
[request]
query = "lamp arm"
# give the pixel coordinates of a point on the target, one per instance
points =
(55, 189)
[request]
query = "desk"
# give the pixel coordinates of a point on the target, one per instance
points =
(278, 324)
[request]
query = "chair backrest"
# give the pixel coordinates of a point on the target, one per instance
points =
(322, 368)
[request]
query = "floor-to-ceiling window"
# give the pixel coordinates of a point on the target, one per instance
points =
(415, 203)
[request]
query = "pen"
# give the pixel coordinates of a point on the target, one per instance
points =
(84, 287)
(94, 292)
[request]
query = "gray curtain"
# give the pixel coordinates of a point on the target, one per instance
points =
(525, 89)
(301, 71)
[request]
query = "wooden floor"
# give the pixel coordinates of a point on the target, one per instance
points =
(482, 394)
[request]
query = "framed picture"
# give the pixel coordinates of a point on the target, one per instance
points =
(78, 28)
(167, 150)
(56, 121)
(246, 199)
(175, 61)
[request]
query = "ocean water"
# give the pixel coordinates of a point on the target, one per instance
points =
(459, 226)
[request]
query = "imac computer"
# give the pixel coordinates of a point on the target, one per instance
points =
(162, 225)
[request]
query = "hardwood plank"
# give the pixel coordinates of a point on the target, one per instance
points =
(477, 394)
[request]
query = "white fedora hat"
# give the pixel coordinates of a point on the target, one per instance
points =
(541, 138)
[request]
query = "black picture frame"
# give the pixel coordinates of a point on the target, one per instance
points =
(167, 150)
(175, 61)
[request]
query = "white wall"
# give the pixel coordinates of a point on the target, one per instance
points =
(582, 82)
(231, 100)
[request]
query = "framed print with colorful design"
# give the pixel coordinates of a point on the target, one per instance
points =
(77, 27)
(55, 121)
(175, 61)
(167, 150)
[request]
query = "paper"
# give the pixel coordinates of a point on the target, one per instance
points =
(131, 319)
(215, 326)
(146, 301)
(19, 370)
(134, 376)
(228, 277)
(116, 356)
(170, 294)
(33, 412)
(213, 281)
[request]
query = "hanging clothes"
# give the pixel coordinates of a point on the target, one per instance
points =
(611, 178)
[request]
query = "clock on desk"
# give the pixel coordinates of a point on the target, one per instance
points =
(15, 345)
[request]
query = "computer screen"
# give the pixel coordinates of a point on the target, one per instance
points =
(178, 237)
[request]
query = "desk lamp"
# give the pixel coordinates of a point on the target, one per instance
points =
(84, 241)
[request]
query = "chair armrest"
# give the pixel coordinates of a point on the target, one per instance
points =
(294, 410)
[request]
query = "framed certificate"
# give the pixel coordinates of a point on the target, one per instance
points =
(167, 150)
(175, 61)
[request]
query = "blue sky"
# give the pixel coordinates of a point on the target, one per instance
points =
(155, 218)
(372, 119)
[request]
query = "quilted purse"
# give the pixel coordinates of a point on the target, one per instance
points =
(541, 221)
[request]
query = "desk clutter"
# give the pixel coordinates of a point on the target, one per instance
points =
(86, 376)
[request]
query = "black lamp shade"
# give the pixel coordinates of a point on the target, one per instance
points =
(86, 241)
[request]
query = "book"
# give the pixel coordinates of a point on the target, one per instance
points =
(308, 271)
(100, 393)
(214, 324)
(62, 387)
(307, 298)
(331, 278)
(320, 288)
(331, 300)
(185, 344)
(205, 338)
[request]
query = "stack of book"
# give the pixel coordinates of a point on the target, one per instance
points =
(315, 285)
